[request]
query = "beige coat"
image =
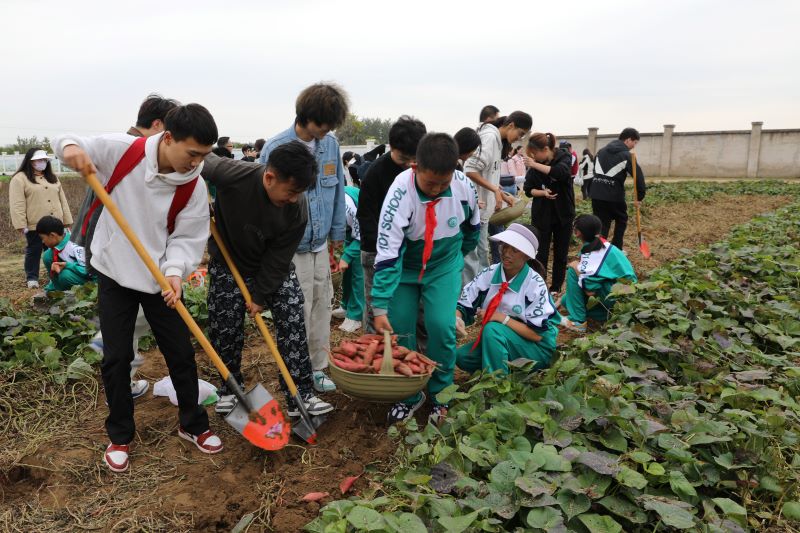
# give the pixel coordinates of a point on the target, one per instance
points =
(29, 202)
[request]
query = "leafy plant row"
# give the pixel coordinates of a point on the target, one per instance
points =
(681, 415)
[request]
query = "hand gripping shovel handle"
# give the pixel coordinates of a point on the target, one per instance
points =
(112, 208)
(262, 327)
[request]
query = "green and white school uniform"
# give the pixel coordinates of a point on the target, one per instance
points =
(420, 255)
(353, 278)
(598, 271)
(526, 299)
(74, 272)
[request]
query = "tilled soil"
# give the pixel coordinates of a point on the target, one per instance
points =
(52, 437)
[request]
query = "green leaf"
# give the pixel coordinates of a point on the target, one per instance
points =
(600, 462)
(671, 512)
(681, 486)
(791, 510)
(553, 462)
(730, 507)
(365, 519)
(404, 523)
(504, 474)
(655, 469)
(596, 523)
(457, 524)
(544, 518)
(640, 457)
(624, 508)
(573, 504)
(631, 478)
(79, 369)
(614, 440)
(533, 486)
(770, 483)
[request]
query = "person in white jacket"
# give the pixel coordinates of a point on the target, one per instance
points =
(483, 168)
(166, 206)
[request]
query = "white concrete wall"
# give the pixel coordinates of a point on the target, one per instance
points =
(712, 154)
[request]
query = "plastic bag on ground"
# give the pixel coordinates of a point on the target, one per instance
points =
(207, 393)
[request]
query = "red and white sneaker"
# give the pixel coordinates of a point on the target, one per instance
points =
(116, 457)
(206, 442)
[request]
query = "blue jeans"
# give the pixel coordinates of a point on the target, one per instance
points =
(33, 255)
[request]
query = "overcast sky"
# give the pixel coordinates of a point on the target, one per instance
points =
(85, 66)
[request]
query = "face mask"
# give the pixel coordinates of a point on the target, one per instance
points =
(39, 165)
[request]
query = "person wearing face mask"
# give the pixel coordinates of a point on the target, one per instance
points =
(429, 221)
(483, 168)
(35, 192)
(549, 183)
(511, 300)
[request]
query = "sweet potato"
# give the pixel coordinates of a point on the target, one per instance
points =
(340, 356)
(403, 369)
(315, 496)
(348, 348)
(350, 365)
(369, 353)
(376, 364)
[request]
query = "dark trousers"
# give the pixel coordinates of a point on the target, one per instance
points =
(118, 307)
(33, 254)
(494, 247)
(226, 312)
(608, 212)
(558, 233)
(587, 183)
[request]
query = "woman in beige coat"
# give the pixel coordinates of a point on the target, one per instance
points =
(35, 192)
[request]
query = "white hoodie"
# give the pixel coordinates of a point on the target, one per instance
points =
(144, 197)
(486, 162)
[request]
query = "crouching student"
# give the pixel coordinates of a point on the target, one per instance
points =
(352, 305)
(517, 312)
(158, 192)
(600, 266)
(64, 260)
(429, 222)
(261, 213)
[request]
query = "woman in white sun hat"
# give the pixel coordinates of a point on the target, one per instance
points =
(512, 300)
(35, 192)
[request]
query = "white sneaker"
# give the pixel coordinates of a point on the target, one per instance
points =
(350, 326)
(32, 284)
(225, 404)
(139, 387)
(338, 313)
(323, 383)
(314, 407)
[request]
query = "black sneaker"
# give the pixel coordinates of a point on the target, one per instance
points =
(401, 411)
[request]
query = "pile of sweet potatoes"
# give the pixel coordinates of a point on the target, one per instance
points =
(365, 355)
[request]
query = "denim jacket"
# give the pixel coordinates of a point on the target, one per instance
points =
(326, 204)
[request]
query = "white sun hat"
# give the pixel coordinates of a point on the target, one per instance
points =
(39, 154)
(520, 238)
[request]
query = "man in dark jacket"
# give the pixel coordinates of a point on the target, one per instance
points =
(404, 137)
(611, 168)
(261, 214)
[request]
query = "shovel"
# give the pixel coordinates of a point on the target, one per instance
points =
(307, 428)
(260, 419)
(643, 246)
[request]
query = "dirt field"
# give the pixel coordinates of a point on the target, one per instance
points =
(51, 437)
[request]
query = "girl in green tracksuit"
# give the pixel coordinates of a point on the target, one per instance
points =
(517, 311)
(428, 223)
(350, 264)
(600, 266)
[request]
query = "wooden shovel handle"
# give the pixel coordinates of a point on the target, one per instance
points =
(114, 211)
(262, 327)
(636, 198)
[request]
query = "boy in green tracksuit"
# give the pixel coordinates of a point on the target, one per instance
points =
(600, 267)
(64, 260)
(428, 223)
(350, 264)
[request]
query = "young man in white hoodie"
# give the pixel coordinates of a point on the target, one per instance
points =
(159, 193)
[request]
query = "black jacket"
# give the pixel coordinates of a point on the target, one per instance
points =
(611, 167)
(374, 187)
(545, 212)
(261, 237)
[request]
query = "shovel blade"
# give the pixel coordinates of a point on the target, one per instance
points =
(304, 431)
(271, 434)
(645, 249)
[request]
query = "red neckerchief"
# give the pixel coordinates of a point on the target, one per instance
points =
(493, 305)
(430, 227)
